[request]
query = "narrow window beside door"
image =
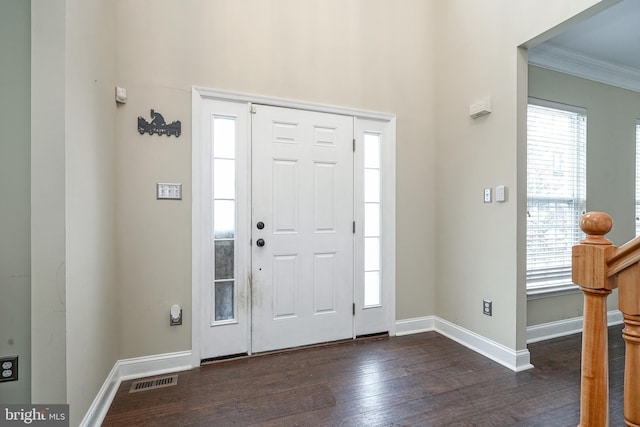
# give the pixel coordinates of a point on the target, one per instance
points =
(224, 217)
(371, 220)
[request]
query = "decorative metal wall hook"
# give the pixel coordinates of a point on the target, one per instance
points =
(158, 125)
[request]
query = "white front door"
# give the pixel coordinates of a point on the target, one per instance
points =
(289, 177)
(302, 228)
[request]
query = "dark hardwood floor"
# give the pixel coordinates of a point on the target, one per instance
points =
(415, 380)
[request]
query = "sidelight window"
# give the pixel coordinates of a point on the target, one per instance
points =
(372, 286)
(224, 217)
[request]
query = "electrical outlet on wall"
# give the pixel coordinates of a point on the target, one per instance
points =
(8, 368)
(487, 307)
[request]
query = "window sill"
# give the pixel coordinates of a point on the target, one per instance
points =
(552, 291)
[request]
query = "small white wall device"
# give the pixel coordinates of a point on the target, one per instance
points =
(175, 317)
(121, 95)
(480, 108)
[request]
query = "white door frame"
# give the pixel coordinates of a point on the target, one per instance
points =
(388, 180)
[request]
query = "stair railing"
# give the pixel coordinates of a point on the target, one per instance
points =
(598, 267)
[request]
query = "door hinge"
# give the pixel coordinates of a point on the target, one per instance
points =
(354, 308)
(354, 145)
(354, 227)
(252, 109)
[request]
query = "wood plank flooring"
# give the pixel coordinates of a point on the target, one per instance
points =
(415, 380)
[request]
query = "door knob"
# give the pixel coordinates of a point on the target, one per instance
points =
(260, 225)
(260, 243)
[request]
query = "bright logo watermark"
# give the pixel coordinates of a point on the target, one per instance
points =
(35, 415)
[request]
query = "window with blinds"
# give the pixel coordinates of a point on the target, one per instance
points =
(556, 190)
(638, 177)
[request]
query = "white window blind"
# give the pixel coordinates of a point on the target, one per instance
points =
(638, 178)
(556, 190)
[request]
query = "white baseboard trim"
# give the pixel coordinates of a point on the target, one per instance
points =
(127, 369)
(100, 405)
(515, 360)
(415, 325)
(561, 328)
(160, 364)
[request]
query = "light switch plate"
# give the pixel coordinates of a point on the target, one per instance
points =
(487, 195)
(168, 191)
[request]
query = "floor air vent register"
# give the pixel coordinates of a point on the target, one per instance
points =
(153, 383)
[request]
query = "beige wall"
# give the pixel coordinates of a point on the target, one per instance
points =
(15, 235)
(48, 286)
(73, 116)
(374, 55)
(611, 119)
(92, 316)
(479, 247)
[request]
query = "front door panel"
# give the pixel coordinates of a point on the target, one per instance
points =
(302, 252)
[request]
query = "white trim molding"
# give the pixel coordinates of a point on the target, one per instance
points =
(516, 360)
(552, 291)
(568, 62)
(415, 325)
(127, 369)
(561, 328)
(101, 403)
(287, 103)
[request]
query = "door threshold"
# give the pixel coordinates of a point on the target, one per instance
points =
(240, 356)
(223, 358)
(376, 335)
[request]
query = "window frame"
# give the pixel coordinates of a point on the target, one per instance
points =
(550, 283)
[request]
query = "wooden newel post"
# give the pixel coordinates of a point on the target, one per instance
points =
(629, 304)
(589, 271)
(631, 334)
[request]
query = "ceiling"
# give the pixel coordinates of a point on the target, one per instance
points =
(605, 44)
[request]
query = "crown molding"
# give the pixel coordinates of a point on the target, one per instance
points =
(568, 62)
